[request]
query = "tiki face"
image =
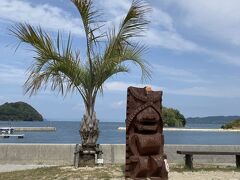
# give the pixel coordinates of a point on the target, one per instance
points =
(144, 138)
(147, 121)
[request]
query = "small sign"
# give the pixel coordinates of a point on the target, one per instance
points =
(99, 161)
(166, 165)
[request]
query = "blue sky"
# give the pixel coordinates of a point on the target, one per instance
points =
(193, 49)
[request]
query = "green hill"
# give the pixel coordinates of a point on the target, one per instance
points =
(173, 118)
(19, 111)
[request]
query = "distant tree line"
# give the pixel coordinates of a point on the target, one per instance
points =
(235, 124)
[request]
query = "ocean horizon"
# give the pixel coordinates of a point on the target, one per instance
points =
(67, 132)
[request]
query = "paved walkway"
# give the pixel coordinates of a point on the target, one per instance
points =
(12, 167)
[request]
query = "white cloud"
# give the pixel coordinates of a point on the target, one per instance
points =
(215, 21)
(201, 91)
(179, 74)
(209, 17)
(223, 92)
(78, 107)
(224, 57)
(219, 19)
(119, 104)
(171, 71)
(11, 74)
(122, 86)
(50, 17)
(161, 31)
(161, 19)
(116, 8)
(113, 12)
(118, 86)
(169, 40)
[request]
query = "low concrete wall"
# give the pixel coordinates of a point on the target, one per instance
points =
(63, 154)
(49, 154)
(116, 153)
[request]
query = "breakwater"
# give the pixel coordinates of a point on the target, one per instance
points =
(63, 154)
(32, 129)
(192, 129)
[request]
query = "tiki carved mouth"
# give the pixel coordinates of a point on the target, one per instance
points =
(148, 122)
(147, 128)
(148, 116)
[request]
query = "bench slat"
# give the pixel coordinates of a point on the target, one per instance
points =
(207, 153)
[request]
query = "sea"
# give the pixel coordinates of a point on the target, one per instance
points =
(67, 132)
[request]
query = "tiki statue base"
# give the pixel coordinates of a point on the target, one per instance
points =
(86, 155)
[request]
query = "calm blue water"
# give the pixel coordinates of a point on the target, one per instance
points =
(67, 132)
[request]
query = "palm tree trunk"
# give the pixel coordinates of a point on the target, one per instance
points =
(89, 134)
(89, 130)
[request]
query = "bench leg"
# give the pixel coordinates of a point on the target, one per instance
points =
(188, 161)
(238, 161)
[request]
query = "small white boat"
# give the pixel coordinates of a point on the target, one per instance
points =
(6, 130)
(122, 128)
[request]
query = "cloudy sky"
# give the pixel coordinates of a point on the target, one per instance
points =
(194, 51)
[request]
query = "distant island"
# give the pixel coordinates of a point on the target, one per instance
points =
(232, 125)
(211, 119)
(172, 118)
(19, 111)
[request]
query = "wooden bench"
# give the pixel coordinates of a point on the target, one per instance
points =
(189, 156)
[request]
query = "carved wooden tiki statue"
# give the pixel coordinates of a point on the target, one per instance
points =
(144, 138)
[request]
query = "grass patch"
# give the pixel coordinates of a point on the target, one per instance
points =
(68, 173)
(106, 172)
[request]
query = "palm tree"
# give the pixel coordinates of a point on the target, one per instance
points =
(57, 65)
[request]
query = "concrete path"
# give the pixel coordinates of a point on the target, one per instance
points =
(11, 167)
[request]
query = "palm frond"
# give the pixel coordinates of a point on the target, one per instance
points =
(135, 21)
(106, 68)
(55, 63)
(121, 47)
(91, 21)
